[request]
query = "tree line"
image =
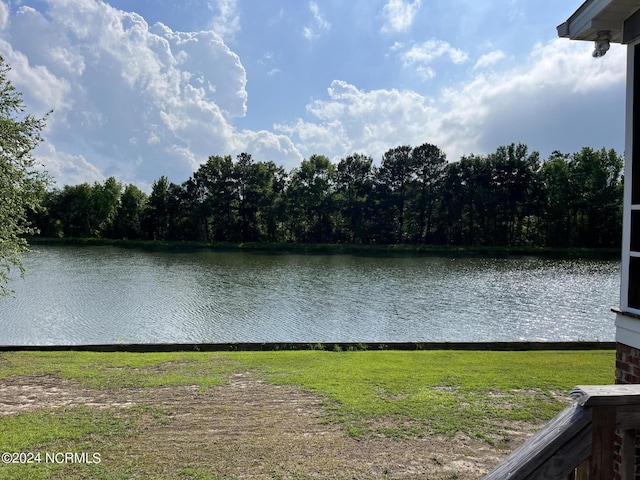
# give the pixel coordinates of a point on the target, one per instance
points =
(507, 198)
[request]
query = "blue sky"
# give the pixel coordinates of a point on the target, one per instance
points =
(153, 87)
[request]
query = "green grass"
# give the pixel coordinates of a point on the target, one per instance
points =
(444, 391)
(396, 394)
(121, 369)
(77, 429)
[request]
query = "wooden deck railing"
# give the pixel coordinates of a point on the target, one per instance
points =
(579, 443)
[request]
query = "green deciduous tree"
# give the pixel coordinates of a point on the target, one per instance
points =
(105, 203)
(156, 215)
(597, 189)
(466, 195)
(514, 188)
(311, 200)
(556, 219)
(505, 198)
(429, 163)
(215, 179)
(354, 184)
(262, 207)
(127, 223)
(394, 180)
(75, 211)
(22, 185)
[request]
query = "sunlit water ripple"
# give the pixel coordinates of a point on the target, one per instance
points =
(94, 295)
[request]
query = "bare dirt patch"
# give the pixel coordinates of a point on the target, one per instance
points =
(249, 428)
(28, 394)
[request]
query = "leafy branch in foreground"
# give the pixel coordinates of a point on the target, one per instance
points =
(22, 185)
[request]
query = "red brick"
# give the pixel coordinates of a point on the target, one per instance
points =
(625, 367)
(635, 361)
(627, 371)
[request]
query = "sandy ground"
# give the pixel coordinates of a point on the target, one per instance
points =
(251, 429)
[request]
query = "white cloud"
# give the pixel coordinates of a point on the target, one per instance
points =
(543, 93)
(226, 21)
(399, 15)
(537, 98)
(355, 120)
(137, 101)
(72, 62)
(4, 15)
(45, 90)
(266, 146)
(428, 51)
(396, 46)
(73, 169)
(422, 55)
(320, 24)
(489, 59)
(308, 33)
(318, 17)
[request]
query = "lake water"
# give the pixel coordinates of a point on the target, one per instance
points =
(95, 295)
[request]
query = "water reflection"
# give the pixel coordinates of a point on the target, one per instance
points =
(110, 295)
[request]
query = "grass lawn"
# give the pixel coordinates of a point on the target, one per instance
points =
(447, 391)
(400, 395)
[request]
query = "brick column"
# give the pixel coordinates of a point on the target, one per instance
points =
(627, 364)
(627, 371)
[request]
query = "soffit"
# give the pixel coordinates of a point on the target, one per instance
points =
(594, 16)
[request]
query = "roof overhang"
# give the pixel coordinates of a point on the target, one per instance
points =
(595, 17)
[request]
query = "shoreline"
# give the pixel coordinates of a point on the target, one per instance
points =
(322, 346)
(334, 249)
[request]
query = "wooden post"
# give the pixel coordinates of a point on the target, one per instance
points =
(628, 454)
(603, 430)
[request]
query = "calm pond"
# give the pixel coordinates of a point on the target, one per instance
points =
(89, 295)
